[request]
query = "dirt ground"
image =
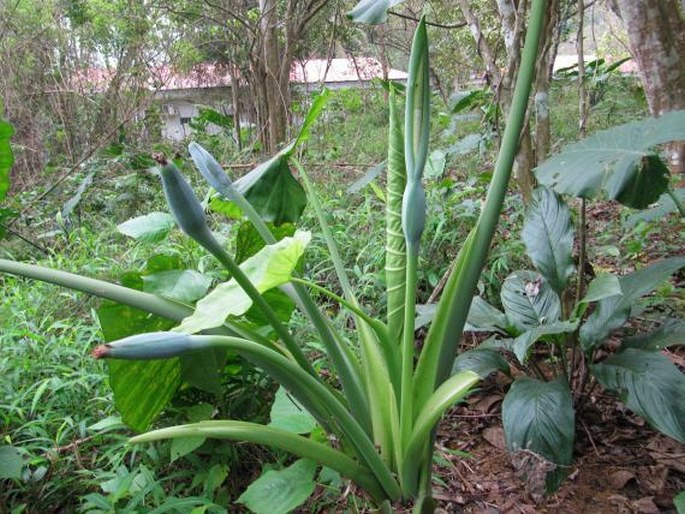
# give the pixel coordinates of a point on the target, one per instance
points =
(621, 465)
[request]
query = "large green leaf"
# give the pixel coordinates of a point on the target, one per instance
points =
(660, 209)
(141, 388)
(538, 416)
(525, 341)
(548, 236)
(279, 492)
(6, 156)
(670, 333)
(529, 300)
(270, 188)
(482, 361)
(150, 228)
(269, 268)
(650, 385)
(483, 317)
(373, 12)
(619, 160)
(612, 312)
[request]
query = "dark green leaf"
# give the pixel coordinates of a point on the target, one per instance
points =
(611, 313)
(618, 160)
(483, 317)
(482, 361)
(538, 416)
(679, 502)
(602, 286)
(312, 115)
(279, 492)
(670, 333)
(141, 388)
(525, 341)
(529, 300)
(150, 228)
(650, 385)
(6, 156)
(548, 236)
(372, 12)
(273, 191)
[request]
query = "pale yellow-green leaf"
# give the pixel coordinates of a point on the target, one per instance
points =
(269, 268)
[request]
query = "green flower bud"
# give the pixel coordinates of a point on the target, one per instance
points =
(154, 345)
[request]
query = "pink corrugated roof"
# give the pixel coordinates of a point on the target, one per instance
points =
(209, 75)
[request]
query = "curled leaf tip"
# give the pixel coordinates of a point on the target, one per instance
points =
(102, 351)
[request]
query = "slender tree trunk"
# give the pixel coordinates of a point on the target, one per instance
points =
(275, 90)
(656, 35)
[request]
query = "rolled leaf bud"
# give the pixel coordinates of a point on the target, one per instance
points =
(185, 206)
(211, 170)
(154, 345)
(417, 111)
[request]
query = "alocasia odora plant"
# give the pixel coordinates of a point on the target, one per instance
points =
(390, 398)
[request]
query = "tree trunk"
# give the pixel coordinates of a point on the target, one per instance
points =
(656, 34)
(275, 94)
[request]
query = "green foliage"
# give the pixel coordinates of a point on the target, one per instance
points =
(538, 413)
(620, 161)
(538, 416)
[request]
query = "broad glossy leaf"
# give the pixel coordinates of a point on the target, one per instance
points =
(525, 341)
(529, 300)
(619, 160)
(483, 317)
(482, 361)
(183, 285)
(372, 12)
(150, 228)
(611, 313)
(602, 286)
(6, 156)
(141, 388)
(548, 236)
(538, 416)
(271, 267)
(11, 462)
(289, 415)
(670, 333)
(273, 191)
(650, 385)
(279, 492)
